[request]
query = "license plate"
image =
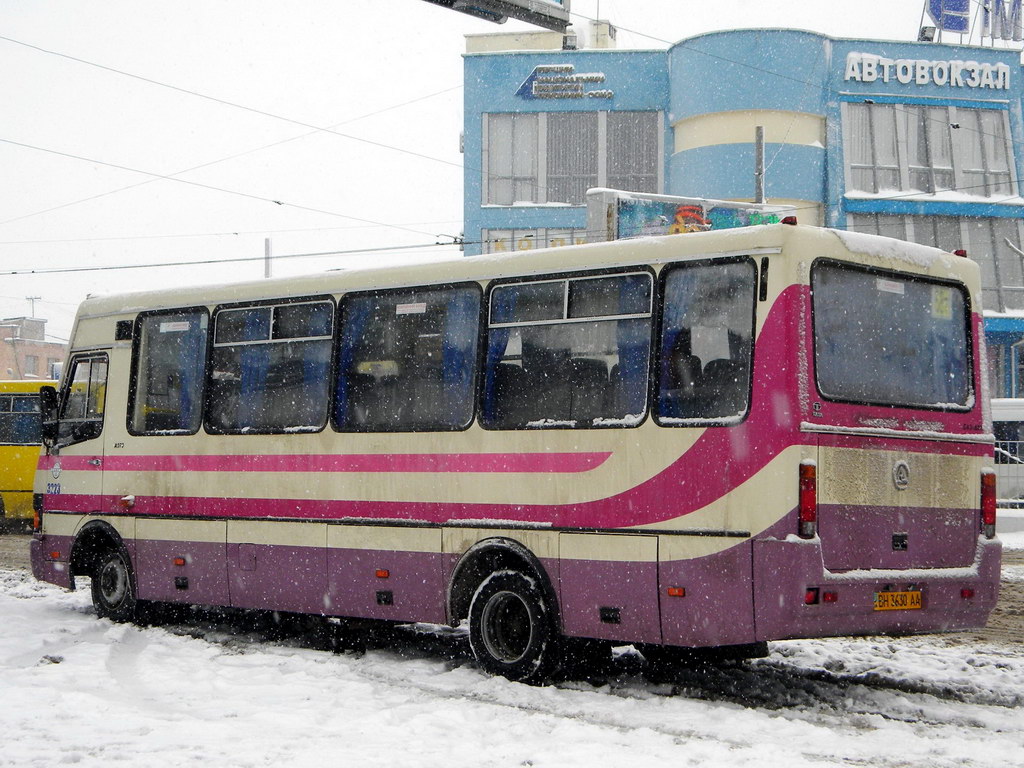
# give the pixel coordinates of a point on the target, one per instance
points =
(898, 601)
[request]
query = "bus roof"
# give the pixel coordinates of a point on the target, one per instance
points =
(771, 238)
(25, 385)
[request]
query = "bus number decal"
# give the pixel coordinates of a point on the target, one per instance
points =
(53, 489)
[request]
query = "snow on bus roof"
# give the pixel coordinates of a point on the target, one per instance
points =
(889, 248)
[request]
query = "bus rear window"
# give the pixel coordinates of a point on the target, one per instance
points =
(890, 339)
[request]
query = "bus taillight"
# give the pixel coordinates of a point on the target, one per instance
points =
(808, 506)
(37, 512)
(988, 504)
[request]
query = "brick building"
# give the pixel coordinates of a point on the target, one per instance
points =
(24, 351)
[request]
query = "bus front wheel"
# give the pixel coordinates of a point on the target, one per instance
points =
(511, 628)
(113, 591)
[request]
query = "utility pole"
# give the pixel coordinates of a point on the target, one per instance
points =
(759, 164)
(267, 253)
(32, 303)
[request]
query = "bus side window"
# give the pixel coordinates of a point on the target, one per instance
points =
(168, 372)
(19, 420)
(81, 415)
(269, 368)
(569, 352)
(706, 342)
(407, 360)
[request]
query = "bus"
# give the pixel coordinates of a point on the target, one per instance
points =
(705, 440)
(19, 451)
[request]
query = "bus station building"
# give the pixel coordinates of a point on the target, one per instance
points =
(915, 140)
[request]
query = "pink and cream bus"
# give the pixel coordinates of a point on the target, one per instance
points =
(705, 440)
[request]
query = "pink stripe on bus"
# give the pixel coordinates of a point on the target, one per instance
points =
(487, 463)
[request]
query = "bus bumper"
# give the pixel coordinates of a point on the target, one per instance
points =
(795, 597)
(50, 556)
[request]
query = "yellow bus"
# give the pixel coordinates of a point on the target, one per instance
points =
(19, 450)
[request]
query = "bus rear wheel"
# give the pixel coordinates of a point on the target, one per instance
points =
(113, 590)
(511, 628)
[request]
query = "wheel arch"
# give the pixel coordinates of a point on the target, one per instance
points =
(486, 557)
(95, 538)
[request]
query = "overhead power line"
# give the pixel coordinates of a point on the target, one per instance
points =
(185, 235)
(318, 129)
(237, 260)
(228, 158)
(227, 103)
(200, 185)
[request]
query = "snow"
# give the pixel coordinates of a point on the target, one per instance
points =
(1014, 540)
(894, 250)
(83, 691)
(870, 428)
(943, 196)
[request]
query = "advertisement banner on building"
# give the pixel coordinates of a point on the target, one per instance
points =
(616, 215)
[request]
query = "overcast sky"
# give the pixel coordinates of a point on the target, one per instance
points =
(102, 102)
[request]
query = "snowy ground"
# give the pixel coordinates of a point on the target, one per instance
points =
(77, 690)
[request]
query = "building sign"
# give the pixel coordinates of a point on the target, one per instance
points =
(615, 215)
(1001, 19)
(869, 68)
(550, 14)
(561, 81)
(951, 15)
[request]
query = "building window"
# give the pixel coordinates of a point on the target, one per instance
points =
(555, 157)
(632, 150)
(905, 147)
(996, 371)
(505, 240)
(986, 156)
(511, 159)
(985, 240)
(572, 156)
(31, 365)
(929, 149)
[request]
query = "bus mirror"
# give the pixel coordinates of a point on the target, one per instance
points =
(48, 413)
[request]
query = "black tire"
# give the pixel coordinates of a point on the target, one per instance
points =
(512, 629)
(113, 587)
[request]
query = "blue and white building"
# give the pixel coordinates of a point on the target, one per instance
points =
(917, 140)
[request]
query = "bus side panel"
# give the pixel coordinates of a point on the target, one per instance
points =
(277, 566)
(50, 552)
(182, 561)
(16, 481)
(705, 601)
(380, 572)
(609, 586)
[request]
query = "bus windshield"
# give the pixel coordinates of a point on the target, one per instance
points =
(889, 338)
